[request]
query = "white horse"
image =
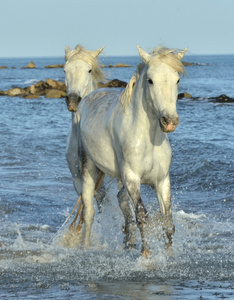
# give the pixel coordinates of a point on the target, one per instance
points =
(125, 136)
(82, 73)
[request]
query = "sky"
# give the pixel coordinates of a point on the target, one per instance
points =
(34, 28)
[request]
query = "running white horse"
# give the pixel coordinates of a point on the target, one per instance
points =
(125, 136)
(82, 73)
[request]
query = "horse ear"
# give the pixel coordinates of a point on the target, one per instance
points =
(143, 54)
(182, 53)
(67, 51)
(95, 53)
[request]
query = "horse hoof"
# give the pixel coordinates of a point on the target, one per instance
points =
(146, 253)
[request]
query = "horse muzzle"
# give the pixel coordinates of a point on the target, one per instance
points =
(72, 101)
(169, 124)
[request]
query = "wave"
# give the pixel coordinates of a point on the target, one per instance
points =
(31, 81)
(192, 216)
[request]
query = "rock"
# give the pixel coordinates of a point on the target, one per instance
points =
(56, 84)
(113, 83)
(54, 66)
(3, 93)
(222, 99)
(30, 96)
(31, 65)
(187, 64)
(61, 86)
(54, 93)
(119, 65)
(38, 88)
(16, 92)
(51, 82)
(184, 95)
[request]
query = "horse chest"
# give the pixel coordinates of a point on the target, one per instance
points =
(156, 163)
(150, 162)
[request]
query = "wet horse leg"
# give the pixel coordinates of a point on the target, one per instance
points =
(163, 191)
(90, 174)
(132, 184)
(130, 226)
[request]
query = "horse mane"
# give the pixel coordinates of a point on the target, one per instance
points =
(169, 57)
(80, 53)
(166, 56)
(126, 95)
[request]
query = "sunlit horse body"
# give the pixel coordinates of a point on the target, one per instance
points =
(82, 73)
(125, 136)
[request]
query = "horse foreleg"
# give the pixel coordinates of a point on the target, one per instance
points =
(133, 187)
(163, 190)
(130, 226)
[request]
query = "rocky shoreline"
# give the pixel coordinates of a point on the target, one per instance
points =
(32, 65)
(53, 89)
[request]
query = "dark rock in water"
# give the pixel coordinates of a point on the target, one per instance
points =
(49, 88)
(184, 95)
(38, 88)
(113, 83)
(54, 84)
(187, 64)
(222, 99)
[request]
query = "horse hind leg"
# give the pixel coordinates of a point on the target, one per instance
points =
(100, 191)
(130, 224)
(90, 174)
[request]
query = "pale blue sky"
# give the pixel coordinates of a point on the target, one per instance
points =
(44, 27)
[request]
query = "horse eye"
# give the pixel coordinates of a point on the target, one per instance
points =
(90, 70)
(178, 81)
(150, 81)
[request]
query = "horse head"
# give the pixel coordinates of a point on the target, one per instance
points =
(82, 72)
(161, 80)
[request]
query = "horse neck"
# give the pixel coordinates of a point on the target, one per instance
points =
(93, 86)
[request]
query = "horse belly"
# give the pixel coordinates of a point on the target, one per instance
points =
(103, 157)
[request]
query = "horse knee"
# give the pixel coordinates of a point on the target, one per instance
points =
(124, 205)
(122, 198)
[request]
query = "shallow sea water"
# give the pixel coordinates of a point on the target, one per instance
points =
(36, 196)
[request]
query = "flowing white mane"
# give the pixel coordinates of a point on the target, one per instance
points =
(166, 56)
(80, 53)
(169, 57)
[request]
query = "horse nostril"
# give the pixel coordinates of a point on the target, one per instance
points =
(72, 101)
(164, 120)
(167, 120)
